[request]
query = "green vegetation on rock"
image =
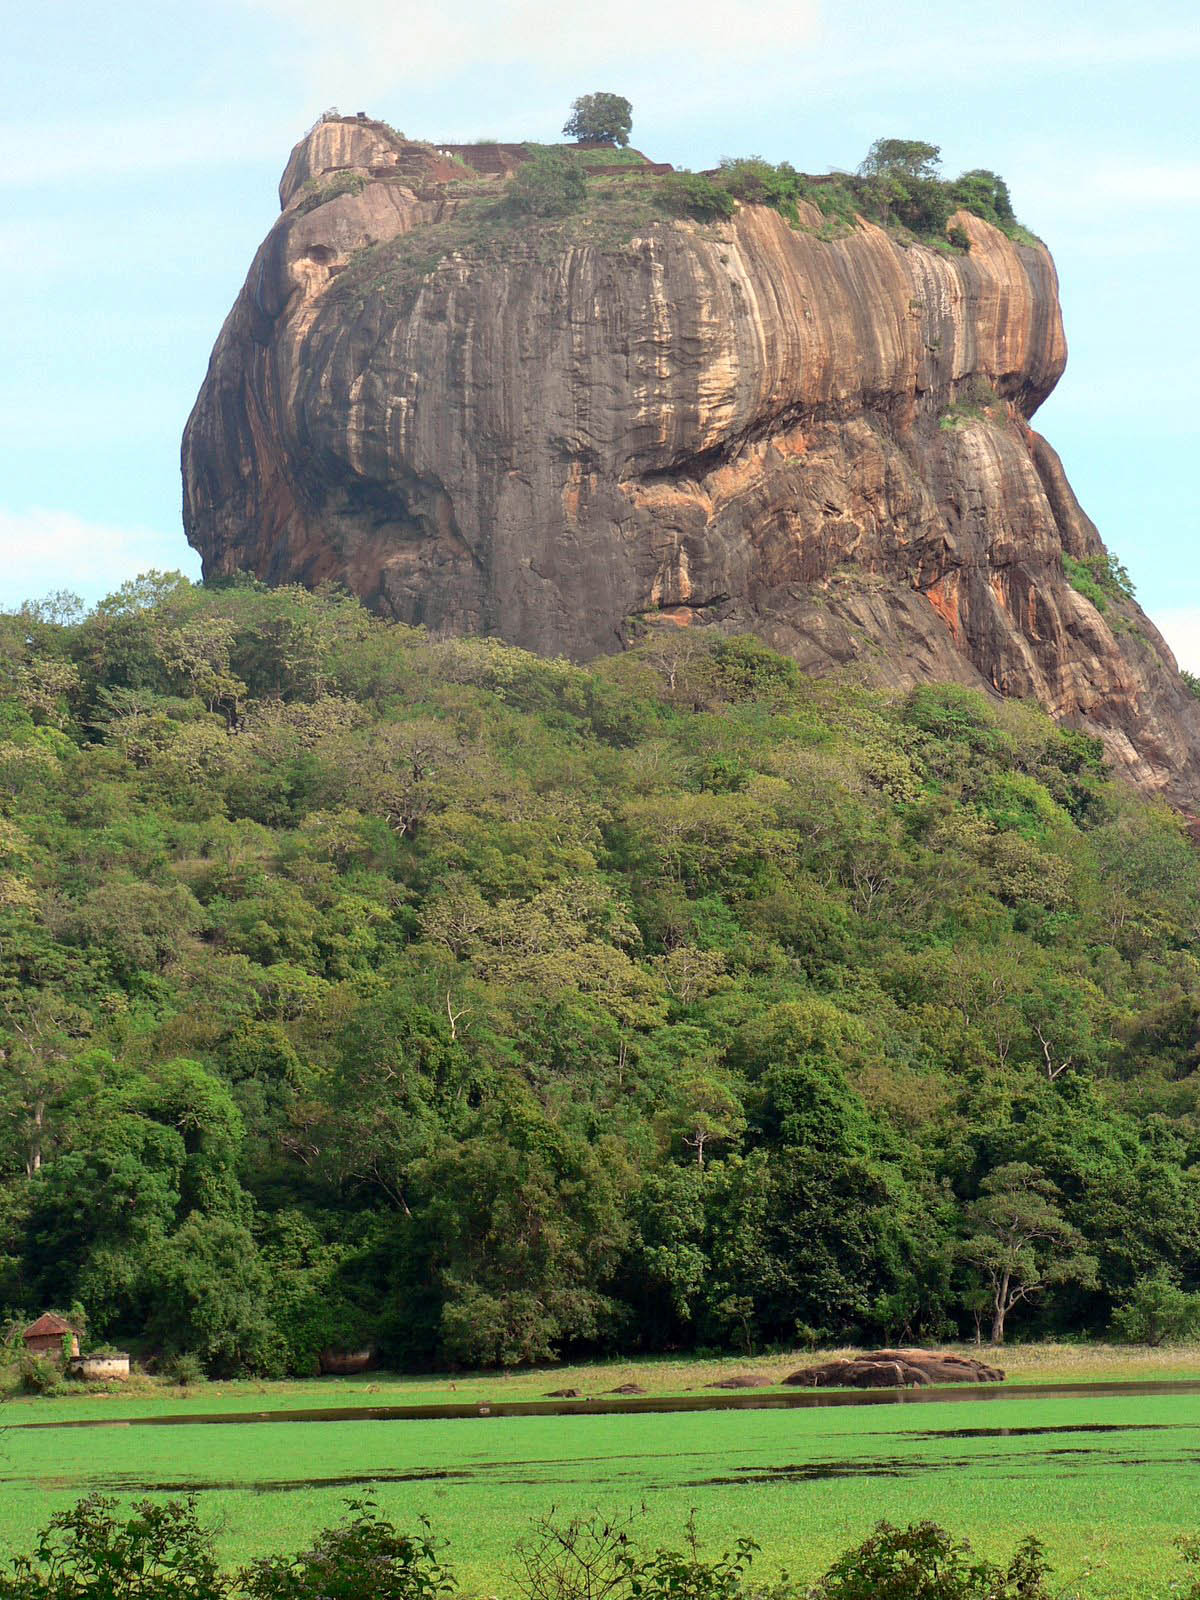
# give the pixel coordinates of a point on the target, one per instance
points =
(977, 402)
(317, 191)
(1100, 578)
(692, 194)
(486, 226)
(550, 184)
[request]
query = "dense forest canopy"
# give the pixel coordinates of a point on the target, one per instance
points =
(357, 986)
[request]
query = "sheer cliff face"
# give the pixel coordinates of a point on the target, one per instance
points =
(739, 425)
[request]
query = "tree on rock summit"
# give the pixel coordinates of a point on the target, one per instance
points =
(600, 119)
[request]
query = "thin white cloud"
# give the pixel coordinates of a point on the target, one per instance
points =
(1173, 183)
(382, 36)
(373, 43)
(1018, 42)
(1113, 186)
(1180, 627)
(127, 146)
(44, 550)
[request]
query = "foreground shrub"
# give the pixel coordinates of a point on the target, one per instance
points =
(923, 1562)
(151, 1552)
(163, 1552)
(365, 1558)
(594, 1558)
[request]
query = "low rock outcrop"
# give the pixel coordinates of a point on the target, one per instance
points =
(894, 1369)
(567, 438)
(743, 1380)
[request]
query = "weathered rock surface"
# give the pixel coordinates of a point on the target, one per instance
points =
(739, 425)
(894, 1369)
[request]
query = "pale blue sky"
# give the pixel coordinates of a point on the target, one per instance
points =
(141, 145)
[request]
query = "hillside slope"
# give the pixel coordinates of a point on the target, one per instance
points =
(356, 986)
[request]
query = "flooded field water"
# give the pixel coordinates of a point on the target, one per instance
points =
(632, 1405)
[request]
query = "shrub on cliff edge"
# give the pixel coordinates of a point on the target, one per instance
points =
(691, 194)
(550, 184)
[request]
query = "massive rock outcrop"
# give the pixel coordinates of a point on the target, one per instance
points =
(895, 1369)
(743, 424)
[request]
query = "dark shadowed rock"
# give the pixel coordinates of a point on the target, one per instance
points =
(344, 1362)
(943, 1366)
(627, 1388)
(570, 444)
(894, 1369)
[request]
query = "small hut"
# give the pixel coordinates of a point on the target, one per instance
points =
(46, 1337)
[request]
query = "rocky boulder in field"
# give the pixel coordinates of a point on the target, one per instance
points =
(894, 1369)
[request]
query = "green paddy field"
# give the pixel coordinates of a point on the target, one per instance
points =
(1106, 1481)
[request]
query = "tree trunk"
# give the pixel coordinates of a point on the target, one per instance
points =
(1000, 1309)
(34, 1161)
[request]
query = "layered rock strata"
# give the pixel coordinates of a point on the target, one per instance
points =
(748, 425)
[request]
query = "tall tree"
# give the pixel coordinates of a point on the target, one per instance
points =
(600, 119)
(1020, 1241)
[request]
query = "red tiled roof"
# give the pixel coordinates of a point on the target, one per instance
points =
(47, 1324)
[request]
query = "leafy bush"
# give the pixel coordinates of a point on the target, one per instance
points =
(923, 1562)
(898, 182)
(686, 1575)
(757, 182)
(365, 1558)
(691, 194)
(594, 1558)
(185, 1368)
(550, 184)
(38, 1375)
(1099, 578)
(986, 195)
(93, 1552)
(1156, 1312)
(161, 1551)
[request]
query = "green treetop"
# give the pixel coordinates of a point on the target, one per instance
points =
(600, 119)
